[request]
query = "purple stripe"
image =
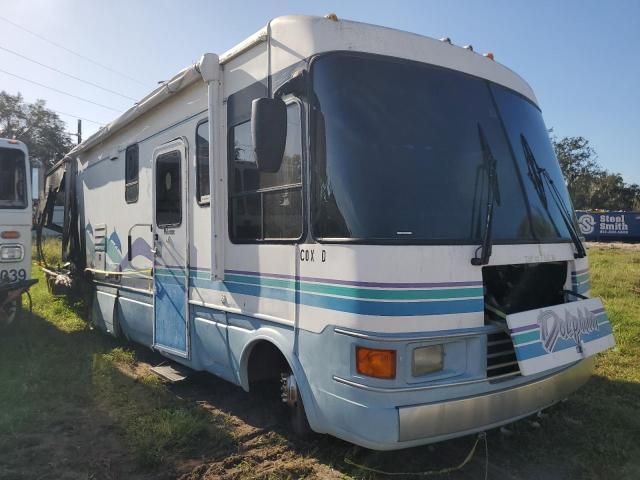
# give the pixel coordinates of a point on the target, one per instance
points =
(598, 310)
(359, 284)
(579, 272)
(526, 327)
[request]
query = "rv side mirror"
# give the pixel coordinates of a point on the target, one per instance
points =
(269, 132)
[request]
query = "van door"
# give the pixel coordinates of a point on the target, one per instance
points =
(170, 267)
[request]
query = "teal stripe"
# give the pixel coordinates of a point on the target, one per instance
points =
(580, 278)
(526, 337)
(170, 271)
(355, 292)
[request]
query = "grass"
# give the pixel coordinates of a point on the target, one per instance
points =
(54, 366)
(51, 249)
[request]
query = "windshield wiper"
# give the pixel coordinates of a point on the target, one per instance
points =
(483, 252)
(538, 175)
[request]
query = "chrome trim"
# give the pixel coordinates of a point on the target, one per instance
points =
(422, 387)
(471, 332)
(492, 409)
(502, 365)
(122, 287)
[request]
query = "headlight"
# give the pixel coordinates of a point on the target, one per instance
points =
(427, 360)
(11, 253)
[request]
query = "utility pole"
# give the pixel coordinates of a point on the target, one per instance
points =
(78, 133)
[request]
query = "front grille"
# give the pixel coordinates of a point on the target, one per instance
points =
(501, 356)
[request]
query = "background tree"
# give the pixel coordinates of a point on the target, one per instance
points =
(592, 187)
(38, 127)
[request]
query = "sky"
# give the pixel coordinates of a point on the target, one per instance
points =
(581, 57)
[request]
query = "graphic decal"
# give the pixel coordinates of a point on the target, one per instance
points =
(364, 298)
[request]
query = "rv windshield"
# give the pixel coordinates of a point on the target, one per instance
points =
(13, 186)
(399, 155)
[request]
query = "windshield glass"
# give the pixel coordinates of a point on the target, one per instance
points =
(403, 152)
(13, 191)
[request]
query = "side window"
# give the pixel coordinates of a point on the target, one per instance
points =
(131, 174)
(265, 206)
(168, 190)
(202, 163)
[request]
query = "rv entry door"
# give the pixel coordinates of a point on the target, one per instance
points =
(170, 267)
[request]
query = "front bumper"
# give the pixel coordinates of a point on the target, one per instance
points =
(442, 420)
(370, 419)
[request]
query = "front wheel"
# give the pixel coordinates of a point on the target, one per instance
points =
(290, 395)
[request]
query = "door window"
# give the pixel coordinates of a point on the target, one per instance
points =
(168, 190)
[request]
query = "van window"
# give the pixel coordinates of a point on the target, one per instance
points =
(131, 174)
(265, 206)
(202, 163)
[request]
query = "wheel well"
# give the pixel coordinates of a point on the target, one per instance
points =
(266, 362)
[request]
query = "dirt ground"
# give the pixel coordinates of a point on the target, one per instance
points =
(267, 449)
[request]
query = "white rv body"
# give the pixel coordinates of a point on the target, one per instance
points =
(316, 302)
(15, 225)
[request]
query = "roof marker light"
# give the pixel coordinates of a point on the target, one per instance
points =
(446, 40)
(331, 16)
(468, 47)
(489, 55)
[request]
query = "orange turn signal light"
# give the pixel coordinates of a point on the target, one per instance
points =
(10, 235)
(374, 362)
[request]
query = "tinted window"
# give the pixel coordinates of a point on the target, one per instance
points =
(202, 163)
(534, 152)
(13, 185)
(265, 206)
(168, 190)
(131, 174)
(399, 155)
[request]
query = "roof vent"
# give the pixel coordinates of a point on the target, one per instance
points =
(331, 16)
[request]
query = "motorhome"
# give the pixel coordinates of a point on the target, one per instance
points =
(373, 220)
(15, 228)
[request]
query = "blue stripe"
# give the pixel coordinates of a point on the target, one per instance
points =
(582, 288)
(349, 305)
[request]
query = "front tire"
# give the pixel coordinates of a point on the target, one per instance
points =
(290, 395)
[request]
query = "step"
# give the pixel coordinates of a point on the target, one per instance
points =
(172, 372)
